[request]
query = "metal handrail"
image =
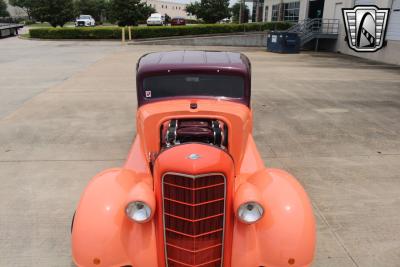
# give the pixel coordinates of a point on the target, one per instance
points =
(324, 26)
(309, 29)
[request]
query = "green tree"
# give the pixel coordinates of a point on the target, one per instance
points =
(26, 5)
(193, 8)
(235, 11)
(210, 11)
(3, 9)
(129, 12)
(96, 8)
(55, 12)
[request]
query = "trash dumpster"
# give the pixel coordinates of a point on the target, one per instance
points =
(283, 42)
(7, 29)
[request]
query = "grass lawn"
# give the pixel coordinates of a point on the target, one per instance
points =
(25, 35)
(46, 24)
(39, 25)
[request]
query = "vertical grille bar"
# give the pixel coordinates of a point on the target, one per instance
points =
(194, 219)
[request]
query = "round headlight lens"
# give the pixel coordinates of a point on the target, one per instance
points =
(250, 212)
(138, 211)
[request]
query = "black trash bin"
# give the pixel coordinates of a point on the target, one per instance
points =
(283, 42)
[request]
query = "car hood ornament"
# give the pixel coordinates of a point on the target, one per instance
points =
(194, 156)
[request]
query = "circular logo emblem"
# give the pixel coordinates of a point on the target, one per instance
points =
(194, 156)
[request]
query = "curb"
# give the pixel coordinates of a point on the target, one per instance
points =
(144, 40)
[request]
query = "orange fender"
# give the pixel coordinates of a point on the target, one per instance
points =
(285, 236)
(102, 234)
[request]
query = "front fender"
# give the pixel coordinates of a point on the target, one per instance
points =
(102, 234)
(285, 236)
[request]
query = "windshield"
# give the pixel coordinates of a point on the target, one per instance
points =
(155, 16)
(193, 85)
(84, 17)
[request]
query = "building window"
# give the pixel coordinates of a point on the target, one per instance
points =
(291, 11)
(275, 12)
(286, 12)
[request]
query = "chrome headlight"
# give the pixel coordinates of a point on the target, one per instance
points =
(138, 211)
(250, 212)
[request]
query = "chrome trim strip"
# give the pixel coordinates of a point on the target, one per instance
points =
(163, 208)
(166, 135)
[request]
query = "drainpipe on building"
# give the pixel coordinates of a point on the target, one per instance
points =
(391, 4)
(281, 11)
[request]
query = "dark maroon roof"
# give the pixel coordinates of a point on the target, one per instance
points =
(194, 59)
(187, 61)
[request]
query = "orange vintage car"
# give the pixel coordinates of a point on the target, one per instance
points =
(194, 190)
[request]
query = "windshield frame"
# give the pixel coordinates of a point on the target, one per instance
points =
(142, 100)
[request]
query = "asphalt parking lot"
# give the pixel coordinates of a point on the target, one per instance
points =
(67, 111)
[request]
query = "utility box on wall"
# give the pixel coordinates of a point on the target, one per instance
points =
(283, 42)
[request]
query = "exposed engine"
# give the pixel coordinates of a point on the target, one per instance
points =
(209, 131)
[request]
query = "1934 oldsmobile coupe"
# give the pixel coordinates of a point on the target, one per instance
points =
(194, 190)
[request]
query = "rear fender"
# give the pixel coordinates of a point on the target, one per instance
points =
(285, 236)
(102, 234)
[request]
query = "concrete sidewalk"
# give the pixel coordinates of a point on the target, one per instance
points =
(332, 121)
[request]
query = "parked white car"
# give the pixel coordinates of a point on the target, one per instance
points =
(85, 21)
(225, 21)
(156, 19)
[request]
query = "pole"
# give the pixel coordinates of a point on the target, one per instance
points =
(123, 35)
(240, 13)
(130, 33)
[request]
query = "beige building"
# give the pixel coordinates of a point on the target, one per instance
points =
(292, 10)
(15, 12)
(172, 9)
